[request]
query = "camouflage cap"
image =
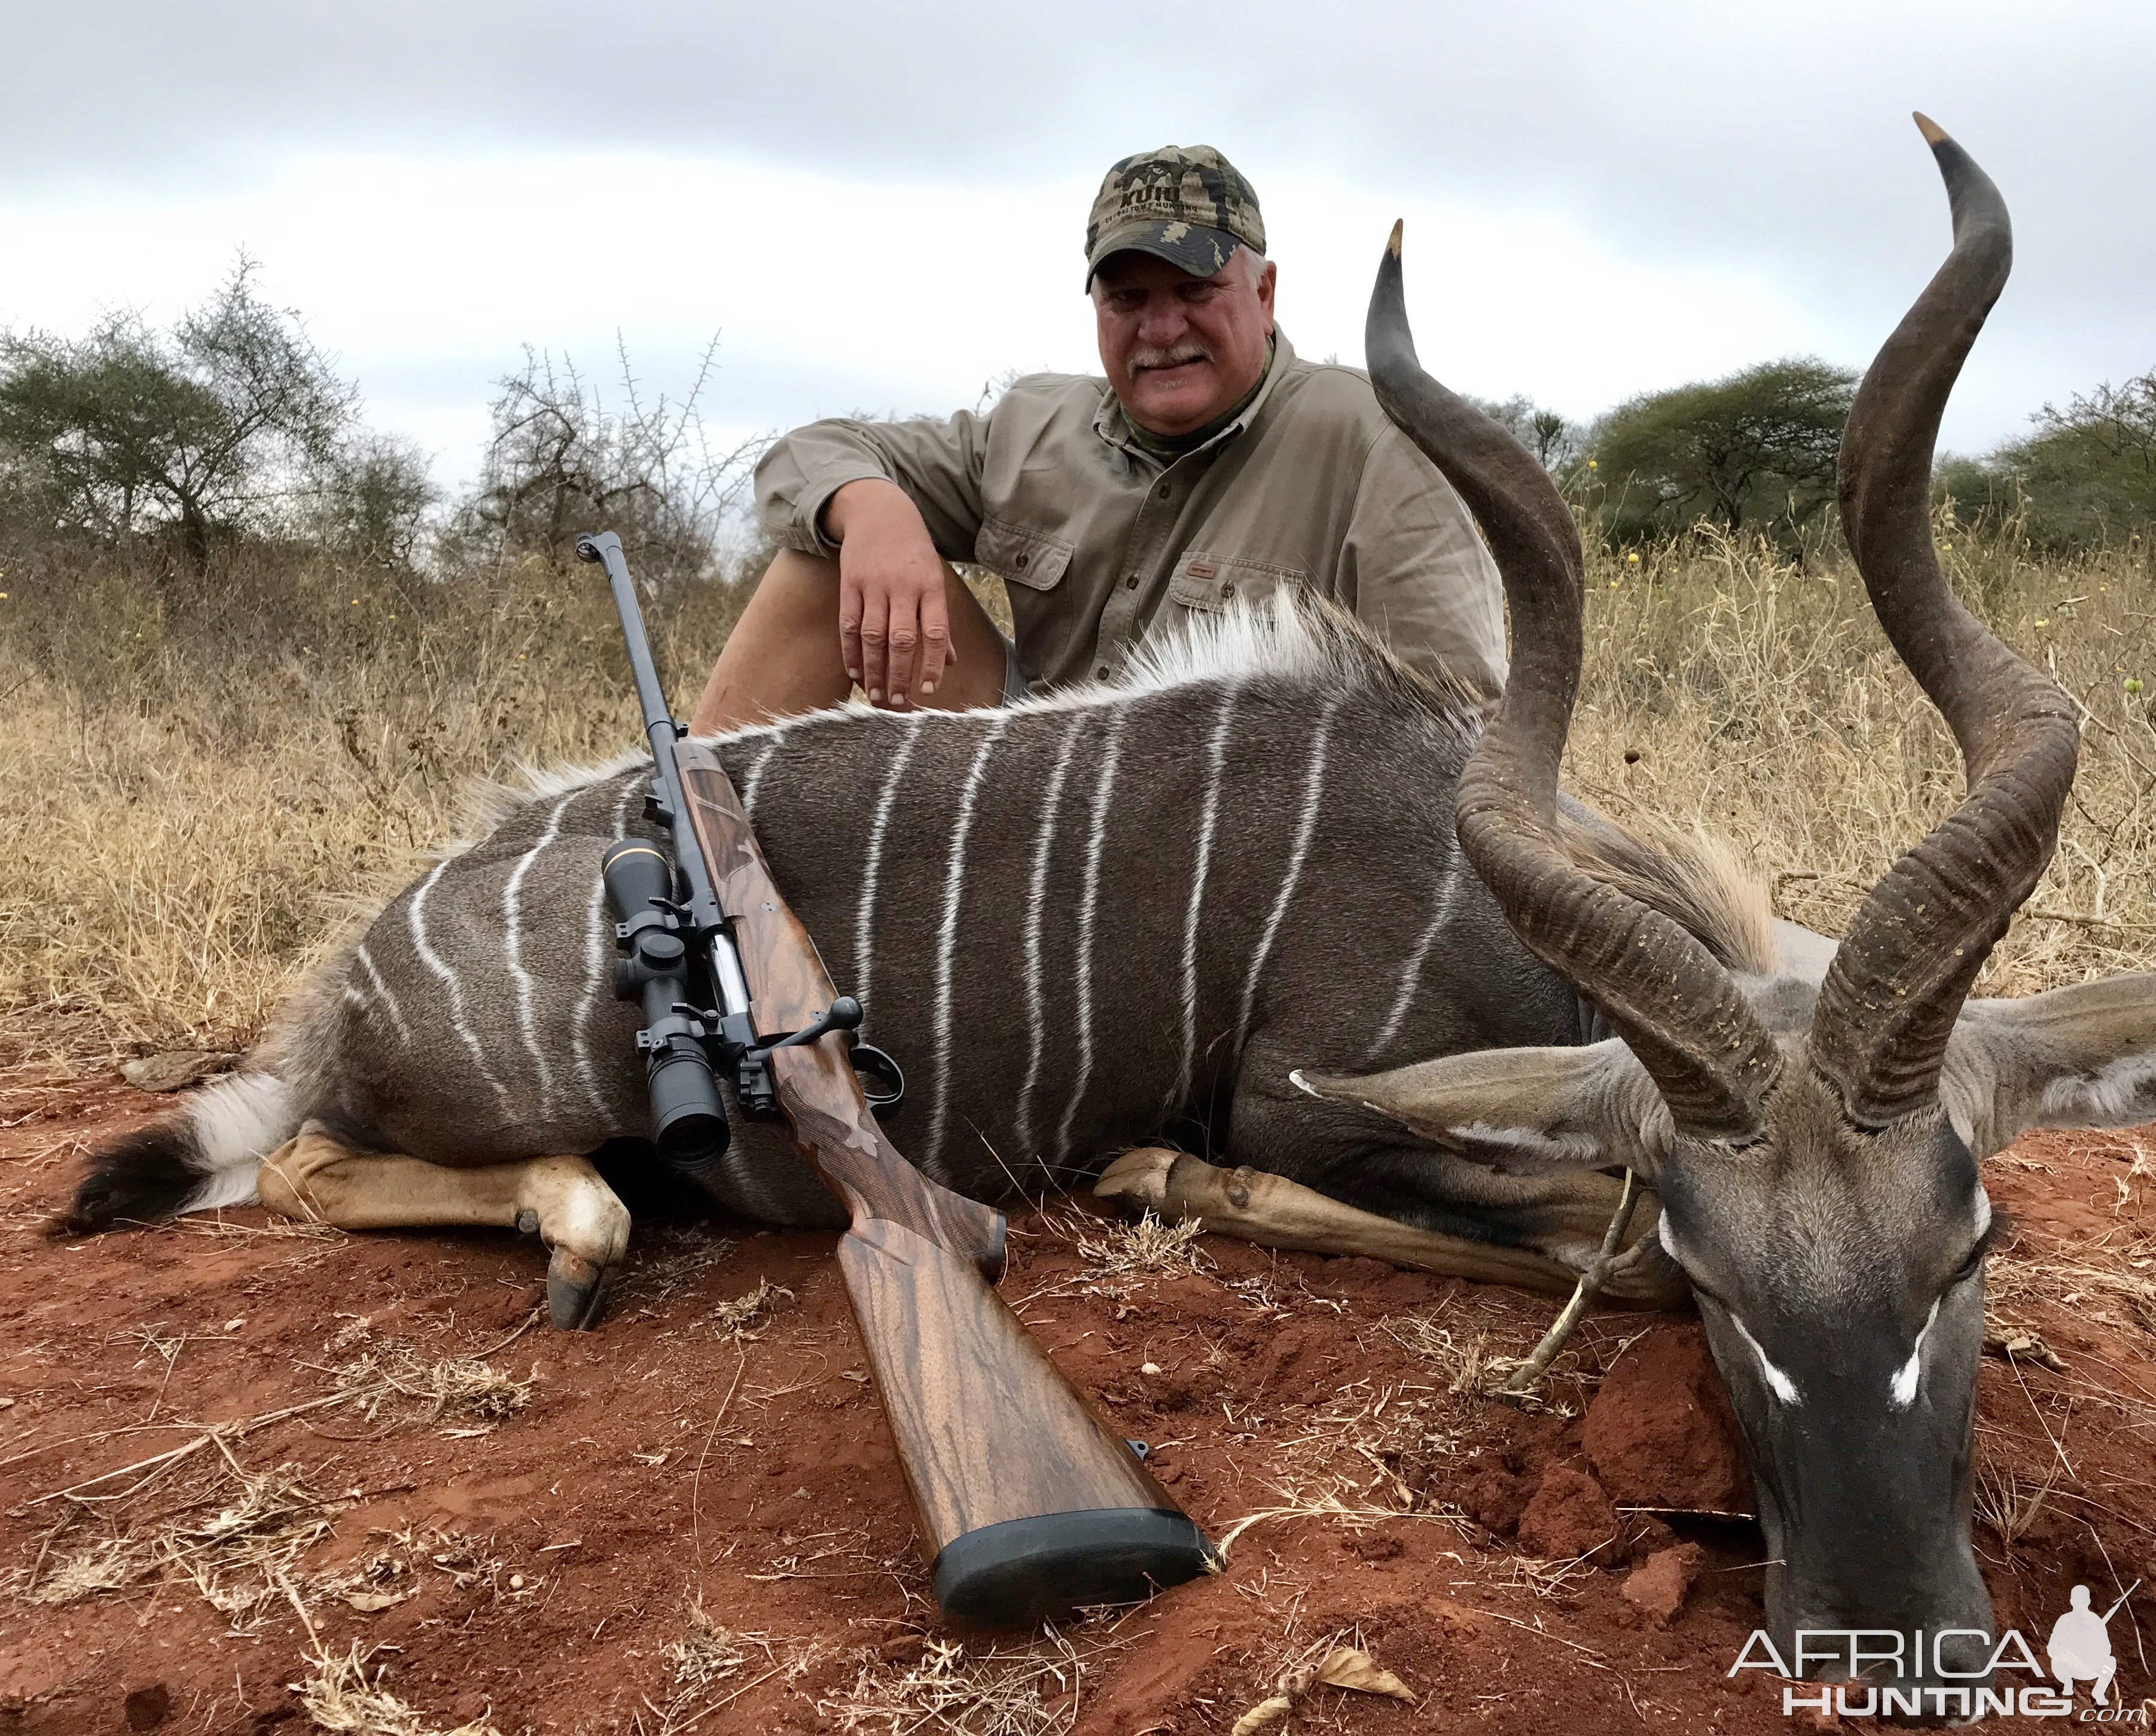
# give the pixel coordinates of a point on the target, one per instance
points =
(1184, 204)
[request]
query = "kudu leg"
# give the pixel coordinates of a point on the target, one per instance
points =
(1274, 1212)
(574, 1213)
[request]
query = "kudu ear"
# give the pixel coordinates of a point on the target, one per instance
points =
(2079, 1057)
(1522, 1109)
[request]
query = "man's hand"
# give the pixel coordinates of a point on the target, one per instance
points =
(893, 631)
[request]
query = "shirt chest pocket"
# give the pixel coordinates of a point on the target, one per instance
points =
(1020, 557)
(1216, 582)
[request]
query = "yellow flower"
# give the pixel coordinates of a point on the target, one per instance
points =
(1634, 559)
(2041, 622)
(2133, 684)
(1592, 465)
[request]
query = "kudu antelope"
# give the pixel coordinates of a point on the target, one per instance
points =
(1225, 902)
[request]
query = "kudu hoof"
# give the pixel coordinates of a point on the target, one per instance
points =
(575, 1289)
(1137, 1182)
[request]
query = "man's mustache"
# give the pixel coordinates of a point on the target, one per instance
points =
(1175, 356)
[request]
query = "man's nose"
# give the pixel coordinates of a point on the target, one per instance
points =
(1164, 321)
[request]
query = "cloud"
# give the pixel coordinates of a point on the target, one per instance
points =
(881, 206)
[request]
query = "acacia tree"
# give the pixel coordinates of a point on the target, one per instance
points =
(221, 425)
(1546, 433)
(1757, 447)
(2087, 475)
(561, 461)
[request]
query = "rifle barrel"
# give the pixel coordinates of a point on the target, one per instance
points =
(666, 736)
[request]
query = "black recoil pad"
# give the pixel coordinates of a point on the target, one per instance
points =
(688, 1116)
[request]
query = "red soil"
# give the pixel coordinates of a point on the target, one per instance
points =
(542, 1565)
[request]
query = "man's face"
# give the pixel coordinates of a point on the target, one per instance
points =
(1181, 350)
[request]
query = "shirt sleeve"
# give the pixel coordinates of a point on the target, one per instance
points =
(1416, 571)
(937, 463)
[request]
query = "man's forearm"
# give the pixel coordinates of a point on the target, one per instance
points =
(874, 500)
(937, 464)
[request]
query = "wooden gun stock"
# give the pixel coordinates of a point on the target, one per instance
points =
(1029, 1504)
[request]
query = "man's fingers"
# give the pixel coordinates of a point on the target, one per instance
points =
(934, 639)
(905, 642)
(850, 625)
(875, 607)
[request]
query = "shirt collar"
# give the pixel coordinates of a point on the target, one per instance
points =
(1113, 426)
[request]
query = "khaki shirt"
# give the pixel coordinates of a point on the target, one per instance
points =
(1101, 542)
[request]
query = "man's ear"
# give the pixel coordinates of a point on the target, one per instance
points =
(1521, 1108)
(2078, 1057)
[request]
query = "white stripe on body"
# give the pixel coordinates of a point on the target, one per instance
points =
(513, 950)
(1110, 752)
(598, 948)
(1035, 898)
(1216, 755)
(1411, 976)
(388, 1000)
(1312, 784)
(947, 942)
(415, 914)
(755, 780)
(864, 912)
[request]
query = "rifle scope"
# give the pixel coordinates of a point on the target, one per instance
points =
(689, 1121)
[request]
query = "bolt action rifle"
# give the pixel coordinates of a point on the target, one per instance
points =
(1029, 1505)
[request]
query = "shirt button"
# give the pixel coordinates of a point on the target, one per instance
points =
(1102, 673)
(1228, 589)
(1132, 582)
(1166, 489)
(1020, 562)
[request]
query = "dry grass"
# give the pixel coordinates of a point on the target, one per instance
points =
(340, 1697)
(1763, 704)
(1463, 1363)
(197, 799)
(236, 1538)
(734, 1319)
(1116, 1258)
(199, 788)
(1029, 1687)
(431, 1389)
(2007, 1504)
(708, 1667)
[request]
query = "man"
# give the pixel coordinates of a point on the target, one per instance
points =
(2079, 1647)
(1210, 465)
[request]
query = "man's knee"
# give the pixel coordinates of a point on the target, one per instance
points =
(799, 583)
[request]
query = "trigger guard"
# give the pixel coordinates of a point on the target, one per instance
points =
(883, 1082)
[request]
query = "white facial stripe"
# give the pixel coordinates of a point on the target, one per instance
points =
(1777, 1383)
(1983, 1214)
(1903, 1391)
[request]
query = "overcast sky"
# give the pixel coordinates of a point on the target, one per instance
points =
(882, 206)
